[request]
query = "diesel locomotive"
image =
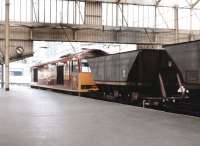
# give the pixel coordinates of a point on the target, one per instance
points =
(141, 75)
(70, 73)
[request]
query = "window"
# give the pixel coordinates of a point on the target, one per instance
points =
(16, 73)
(75, 66)
(85, 66)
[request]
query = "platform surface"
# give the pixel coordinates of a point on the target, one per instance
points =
(34, 117)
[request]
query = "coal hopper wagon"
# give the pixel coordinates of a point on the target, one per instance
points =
(187, 57)
(141, 75)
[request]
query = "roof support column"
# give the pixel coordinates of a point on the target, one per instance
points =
(2, 76)
(7, 44)
(155, 24)
(191, 8)
(190, 35)
(176, 23)
(31, 11)
(155, 20)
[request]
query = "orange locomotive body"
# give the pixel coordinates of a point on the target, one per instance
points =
(70, 73)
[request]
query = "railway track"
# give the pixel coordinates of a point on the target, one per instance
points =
(186, 108)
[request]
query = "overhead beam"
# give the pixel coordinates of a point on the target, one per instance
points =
(92, 33)
(194, 4)
(112, 35)
(157, 2)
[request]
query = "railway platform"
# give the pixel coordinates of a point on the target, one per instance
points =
(33, 117)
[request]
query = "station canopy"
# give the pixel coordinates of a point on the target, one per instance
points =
(165, 3)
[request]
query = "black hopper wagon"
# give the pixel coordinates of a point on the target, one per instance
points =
(147, 76)
(186, 55)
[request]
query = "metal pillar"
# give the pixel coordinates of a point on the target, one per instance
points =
(7, 44)
(190, 35)
(176, 23)
(155, 24)
(31, 10)
(2, 76)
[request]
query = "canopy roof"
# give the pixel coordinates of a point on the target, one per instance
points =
(167, 3)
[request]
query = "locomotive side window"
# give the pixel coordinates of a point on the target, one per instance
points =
(85, 66)
(74, 66)
(35, 75)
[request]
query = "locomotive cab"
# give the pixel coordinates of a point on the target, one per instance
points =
(81, 76)
(86, 76)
